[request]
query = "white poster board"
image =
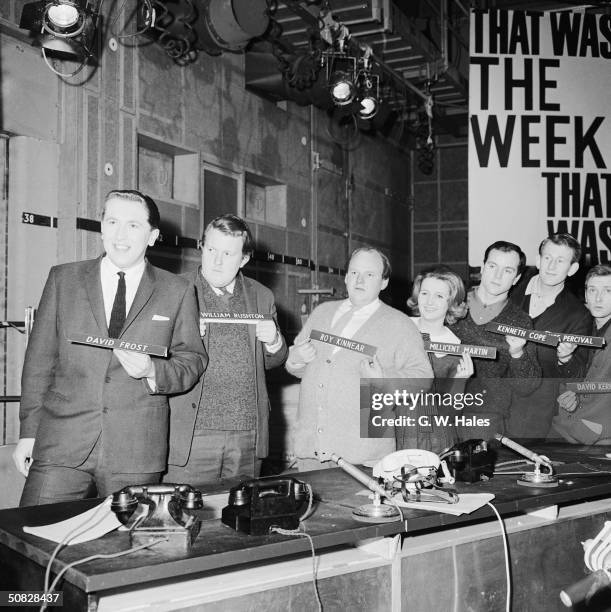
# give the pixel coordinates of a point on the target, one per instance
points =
(540, 130)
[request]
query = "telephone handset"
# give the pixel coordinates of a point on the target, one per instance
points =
(471, 460)
(256, 505)
(158, 513)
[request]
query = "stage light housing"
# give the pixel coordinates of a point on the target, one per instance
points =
(369, 96)
(342, 88)
(65, 29)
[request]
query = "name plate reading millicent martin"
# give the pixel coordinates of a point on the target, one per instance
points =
(119, 343)
(474, 350)
(589, 387)
(532, 335)
(345, 343)
(250, 318)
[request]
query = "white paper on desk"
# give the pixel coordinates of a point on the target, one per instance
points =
(84, 527)
(467, 503)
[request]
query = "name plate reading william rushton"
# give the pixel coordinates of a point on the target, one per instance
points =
(345, 343)
(484, 352)
(589, 387)
(532, 335)
(250, 318)
(119, 343)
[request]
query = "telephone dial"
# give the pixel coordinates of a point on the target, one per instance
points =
(256, 505)
(162, 513)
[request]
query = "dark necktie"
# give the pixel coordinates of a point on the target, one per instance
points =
(117, 316)
(225, 295)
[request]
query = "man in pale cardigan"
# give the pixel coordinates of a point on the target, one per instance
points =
(329, 402)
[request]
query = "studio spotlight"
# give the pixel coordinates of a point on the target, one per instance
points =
(369, 96)
(342, 88)
(64, 28)
(341, 77)
(62, 17)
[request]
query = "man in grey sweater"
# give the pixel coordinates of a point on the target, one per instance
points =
(329, 419)
(219, 429)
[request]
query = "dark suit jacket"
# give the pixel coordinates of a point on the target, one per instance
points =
(71, 392)
(183, 408)
(531, 415)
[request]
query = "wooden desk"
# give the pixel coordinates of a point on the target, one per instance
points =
(218, 548)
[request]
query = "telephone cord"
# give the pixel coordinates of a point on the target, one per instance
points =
(303, 534)
(90, 522)
(121, 553)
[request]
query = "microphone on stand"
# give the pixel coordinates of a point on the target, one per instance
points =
(376, 512)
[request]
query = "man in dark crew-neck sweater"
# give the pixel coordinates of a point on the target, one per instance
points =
(515, 370)
(552, 307)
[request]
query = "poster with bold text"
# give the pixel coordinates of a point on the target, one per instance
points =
(540, 130)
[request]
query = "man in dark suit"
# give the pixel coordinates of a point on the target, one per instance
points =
(219, 429)
(552, 307)
(95, 420)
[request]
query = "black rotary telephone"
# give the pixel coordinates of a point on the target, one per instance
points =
(162, 514)
(257, 505)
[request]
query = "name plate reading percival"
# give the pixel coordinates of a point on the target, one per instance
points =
(532, 335)
(250, 318)
(589, 387)
(484, 352)
(345, 343)
(119, 343)
(594, 341)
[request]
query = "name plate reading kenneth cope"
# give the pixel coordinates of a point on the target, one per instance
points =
(119, 343)
(484, 352)
(345, 343)
(589, 387)
(532, 335)
(250, 318)
(595, 341)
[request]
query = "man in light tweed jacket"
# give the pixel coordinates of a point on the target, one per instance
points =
(329, 407)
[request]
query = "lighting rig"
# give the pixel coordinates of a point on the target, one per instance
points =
(65, 29)
(69, 29)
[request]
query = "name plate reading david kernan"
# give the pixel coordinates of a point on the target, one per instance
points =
(589, 387)
(250, 318)
(119, 343)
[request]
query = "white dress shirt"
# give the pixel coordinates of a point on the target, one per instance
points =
(359, 316)
(110, 279)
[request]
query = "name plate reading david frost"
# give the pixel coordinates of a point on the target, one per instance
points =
(119, 343)
(250, 318)
(484, 352)
(589, 387)
(345, 343)
(531, 335)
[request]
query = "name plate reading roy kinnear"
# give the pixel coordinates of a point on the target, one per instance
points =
(250, 318)
(589, 387)
(119, 343)
(532, 335)
(484, 352)
(345, 343)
